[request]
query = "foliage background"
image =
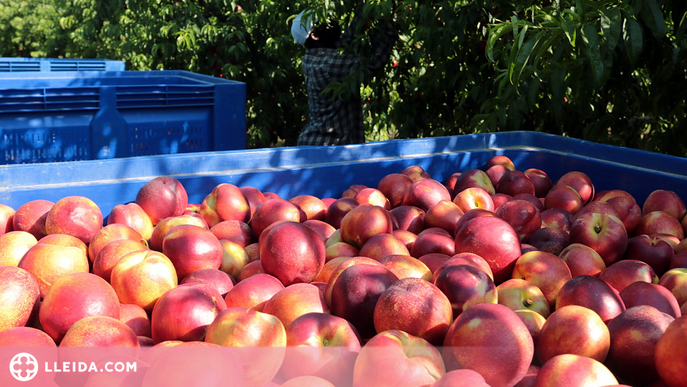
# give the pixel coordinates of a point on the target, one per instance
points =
(612, 71)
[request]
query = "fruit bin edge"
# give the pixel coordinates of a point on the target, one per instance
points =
(328, 171)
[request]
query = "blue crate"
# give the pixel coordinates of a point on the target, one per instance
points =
(328, 171)
(22, 65)
(69, 116)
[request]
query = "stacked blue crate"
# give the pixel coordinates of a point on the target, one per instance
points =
(22, 65)
(60, 116)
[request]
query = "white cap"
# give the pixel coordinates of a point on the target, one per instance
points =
(298, 30)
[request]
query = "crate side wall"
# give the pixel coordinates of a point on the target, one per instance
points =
(319, 179)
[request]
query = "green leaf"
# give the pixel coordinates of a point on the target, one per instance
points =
(548, 19)
(579, 7)
(632, 38)
(653, 17)
(516, 25)
(511, 59)
(522, 36)
(546, 45)
(611, 23)
(590, 37)
(680, 30)
(523, 56)
(502, 82)
(495, 34)
(568, 26)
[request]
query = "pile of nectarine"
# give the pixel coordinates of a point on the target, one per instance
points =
(494, 277)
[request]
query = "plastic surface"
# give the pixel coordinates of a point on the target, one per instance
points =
(68, 116)
(20, 65)
(328, 171)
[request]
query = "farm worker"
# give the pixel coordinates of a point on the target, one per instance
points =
(336, 121)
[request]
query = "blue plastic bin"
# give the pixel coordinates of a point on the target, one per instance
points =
(328, 171)
(21, 65)
(68, 116)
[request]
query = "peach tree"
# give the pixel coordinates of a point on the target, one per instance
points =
(612, 71)
(609, 71)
